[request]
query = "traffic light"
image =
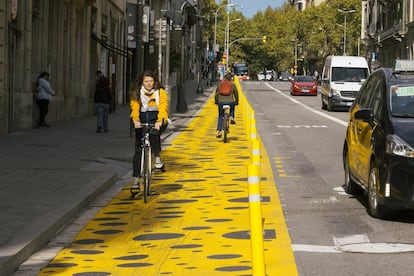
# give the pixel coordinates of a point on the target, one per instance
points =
(264, 39)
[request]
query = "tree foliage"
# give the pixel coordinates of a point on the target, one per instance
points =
(317, 32)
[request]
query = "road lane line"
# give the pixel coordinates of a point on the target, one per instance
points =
(322, 114)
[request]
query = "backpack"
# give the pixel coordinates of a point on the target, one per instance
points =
(226, 87)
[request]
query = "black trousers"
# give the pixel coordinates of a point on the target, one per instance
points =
(155, 139)
(43, 110)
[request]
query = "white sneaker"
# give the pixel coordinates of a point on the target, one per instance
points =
(135, 183)
(158, 163)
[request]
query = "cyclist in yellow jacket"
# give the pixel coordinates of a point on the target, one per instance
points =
(149, 104)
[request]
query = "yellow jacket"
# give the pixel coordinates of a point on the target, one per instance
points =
(162, 101)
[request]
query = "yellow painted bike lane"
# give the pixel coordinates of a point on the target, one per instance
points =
(197, 221)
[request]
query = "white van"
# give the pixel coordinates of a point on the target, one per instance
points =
(342, 77)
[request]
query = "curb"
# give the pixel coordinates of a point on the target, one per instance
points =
(103, 181)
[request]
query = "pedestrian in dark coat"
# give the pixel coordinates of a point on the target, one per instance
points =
(102, 98)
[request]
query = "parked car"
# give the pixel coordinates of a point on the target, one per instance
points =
(378, 152)
(304, 85)
(285, 76)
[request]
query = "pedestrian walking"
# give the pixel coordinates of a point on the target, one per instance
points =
(44, 93)
(102, 98)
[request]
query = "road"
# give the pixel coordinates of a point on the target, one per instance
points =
(331, 232)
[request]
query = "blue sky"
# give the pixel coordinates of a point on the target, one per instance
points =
(251, 7)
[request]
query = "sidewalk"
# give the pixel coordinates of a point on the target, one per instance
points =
(48, 175)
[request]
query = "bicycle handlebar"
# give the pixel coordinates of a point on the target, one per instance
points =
(149, 125)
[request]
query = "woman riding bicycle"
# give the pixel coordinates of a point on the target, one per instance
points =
(149, 104)
(226, 94)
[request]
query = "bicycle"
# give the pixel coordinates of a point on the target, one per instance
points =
(147, 162)
(226, 122)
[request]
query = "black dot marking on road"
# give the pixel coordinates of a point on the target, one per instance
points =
(131, 257)
(246, 199)
(240, 235)
(224, 256)
(233, 268)
(197, 228)
(185, 246)
(88, 241)
(87, 252)
(158, 236)
(218, 220)
(107, 232)
(236, 208)
(245, 235)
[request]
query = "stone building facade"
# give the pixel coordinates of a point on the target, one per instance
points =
(72, 39)
(69, 39)
(388, 30)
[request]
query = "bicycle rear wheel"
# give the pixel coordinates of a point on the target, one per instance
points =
(147, 173)
(225, 127)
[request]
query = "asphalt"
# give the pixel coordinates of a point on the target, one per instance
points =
(49, 175)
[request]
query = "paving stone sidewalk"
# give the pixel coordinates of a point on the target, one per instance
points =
(48, 175)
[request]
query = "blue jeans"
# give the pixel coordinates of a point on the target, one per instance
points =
(221, 114)
(102, 113)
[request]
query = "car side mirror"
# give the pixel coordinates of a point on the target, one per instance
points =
(366, 115)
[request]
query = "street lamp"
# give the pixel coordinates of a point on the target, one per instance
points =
(345, 12)
(215, 26)
(228, 39)
(296, 56)
(215, 48)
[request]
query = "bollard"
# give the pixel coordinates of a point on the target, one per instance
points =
(253, 131)
(255, 158)
(256, 229)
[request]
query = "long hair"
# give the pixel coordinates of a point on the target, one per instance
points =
(135, 89)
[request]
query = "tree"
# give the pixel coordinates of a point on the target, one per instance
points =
(316, 31)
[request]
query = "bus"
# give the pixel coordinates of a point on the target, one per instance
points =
(241, 69)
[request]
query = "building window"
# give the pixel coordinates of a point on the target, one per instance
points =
(104, 26)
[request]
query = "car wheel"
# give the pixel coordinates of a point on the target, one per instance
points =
(350, 186)
(323, 103)
(375, 209)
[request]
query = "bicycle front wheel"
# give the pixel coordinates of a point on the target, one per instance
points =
(147, 172)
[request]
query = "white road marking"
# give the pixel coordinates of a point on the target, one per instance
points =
(358, 243)
(340, 190)
(314, 248)
(336, 120)
(351, 239)
(325, 200)
(353, 243)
